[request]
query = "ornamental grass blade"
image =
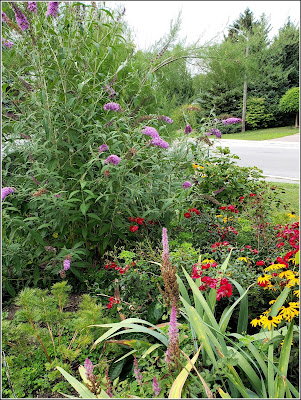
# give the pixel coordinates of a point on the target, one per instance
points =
(271, 374)
(283, 361)
(242, 323)
(223, 394)
(226, 262)
(278, 303)
(183, 290)
(78, 386)
(177, 386)
(151, 349)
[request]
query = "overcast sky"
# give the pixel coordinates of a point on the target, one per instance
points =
(150, 20)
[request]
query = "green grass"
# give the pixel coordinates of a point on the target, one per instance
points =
(263, 134)
(291, 198)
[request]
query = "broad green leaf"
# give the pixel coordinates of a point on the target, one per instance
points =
(151, 349)
(81, 389)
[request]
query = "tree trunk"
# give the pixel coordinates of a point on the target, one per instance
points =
(296, 121)
(244, 101)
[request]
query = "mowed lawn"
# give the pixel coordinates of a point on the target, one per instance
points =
(291, 196)
(263, 134)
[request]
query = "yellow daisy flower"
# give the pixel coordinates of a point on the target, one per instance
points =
(55, 235)
(256, 321)
(297, 293)
(264, 279)
(266, 312)
(268, 322)
(208, 261)
(219, 216)
(272, 302)
(291, 215)
(270, 286)
(274, 267)
(287, 274)
(245, 259)
(293, 281)
(281, 344)
(289, 311)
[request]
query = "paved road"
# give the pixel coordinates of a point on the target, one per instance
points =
(279, 158)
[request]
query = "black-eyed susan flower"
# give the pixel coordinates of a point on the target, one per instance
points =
(263, 280)
(245, 259)
(256, 321)
(272, 302)
(287, 274)
(292, 281)
(268, 322)
(291, 215)
(297, 293)
(289, 311)
(274, 267)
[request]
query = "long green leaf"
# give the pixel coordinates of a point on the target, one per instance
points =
(177, 386)
(151, 349)
(284, 360)
(78, 386)
(271, 380)
(242, 323)
(278, 303)
(183, 290)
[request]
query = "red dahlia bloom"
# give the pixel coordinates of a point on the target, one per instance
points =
(187, 215)
(140, 221)
(134, 228)
(260, 263)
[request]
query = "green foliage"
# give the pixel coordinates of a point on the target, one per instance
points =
(257, 116)
(289, 102)
(44, 334)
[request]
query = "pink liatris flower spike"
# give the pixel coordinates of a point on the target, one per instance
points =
(89, 368)
(137, 373)
(156, 387)
(165, 254)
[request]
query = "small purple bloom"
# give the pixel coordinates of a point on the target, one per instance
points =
(113, 159)
(4, 17)
(156, 387)
(231, 121)
(66, 264)
(186, 185)
(32, 6)
(148, 130)
(188, 129)
(157, 141)
(102, 148)
(109, 123)
(214, 131)
(167, 119)
(111, 92)
(52, 8)
(20, 18)
(165, 254)
(89, 368)
(58, 195)
(7, 43)
(112, 106)
(6, 191)
(50, 248)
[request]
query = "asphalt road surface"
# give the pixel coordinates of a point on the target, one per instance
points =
(278, 159)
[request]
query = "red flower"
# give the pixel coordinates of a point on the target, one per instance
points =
(109, 305)
(151, 222)
(241, 199)
(134, 228)
(206, 266)
(223, 208)
(260, 263)
(252, 194)
(187, 215)
(132, 219)
(139, 221)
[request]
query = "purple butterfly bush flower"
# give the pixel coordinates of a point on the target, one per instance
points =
(20, 18)
(148, 130)
(165, 254)
(188, 129)
(167, 119)
(66, 264)
(112, 107)
(160, 143)
(52, 8)
(231, 121)
(32, 6)
(7, 43)
(6, 191)
(156, 387)
(112, 159)
(103, 147)
(111, 92)
(214, 131)
(4, 17)
(186, 185)
(88, 367)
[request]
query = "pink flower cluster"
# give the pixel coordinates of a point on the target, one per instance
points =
(112, 301)
(156, 139)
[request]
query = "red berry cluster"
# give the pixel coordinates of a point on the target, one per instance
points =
(191, 210)
(114, 266)
(230, 208)
(112, 301)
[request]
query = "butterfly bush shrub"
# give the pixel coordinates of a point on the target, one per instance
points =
(79, 164)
